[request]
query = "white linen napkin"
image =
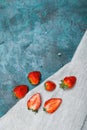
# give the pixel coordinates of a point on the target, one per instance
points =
(71, 115)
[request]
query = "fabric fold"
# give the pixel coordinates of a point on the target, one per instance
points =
(71, 115)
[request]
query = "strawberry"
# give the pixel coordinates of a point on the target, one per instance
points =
(34, 77)
(50, 85)
(52, 105)
(68, 82)
(20, 91)
(34, 102)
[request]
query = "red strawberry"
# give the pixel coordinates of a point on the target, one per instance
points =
(34, 77)
(52, 105)
(34, 102)
(20, 91)
(50, 85)
(68, 82)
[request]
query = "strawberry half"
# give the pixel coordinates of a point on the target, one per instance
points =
(49, 85)
(20, 91)
(34, 102)
(68, 82)
(34, 77)
(52, 105)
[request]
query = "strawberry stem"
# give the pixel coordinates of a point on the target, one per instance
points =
(35, 111)
(44, 109)
(62, 85)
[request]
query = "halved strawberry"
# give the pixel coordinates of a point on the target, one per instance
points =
(34, 102)
(68, 82)
(50, 85)
(34, 77)
(52, 105)
(20, 91)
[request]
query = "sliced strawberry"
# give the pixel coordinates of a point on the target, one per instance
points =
(20, 91)
(68, 82)
(34, 102)
(52, 105)
(50, 85)
(34, 77)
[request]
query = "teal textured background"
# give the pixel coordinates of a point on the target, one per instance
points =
(36, 35)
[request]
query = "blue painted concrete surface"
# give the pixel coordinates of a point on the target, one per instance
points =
(36, 35)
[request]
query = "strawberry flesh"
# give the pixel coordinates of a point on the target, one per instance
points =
(52, 105)
(34, 102)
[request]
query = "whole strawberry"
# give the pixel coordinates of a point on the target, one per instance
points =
(34, 102)
(49, 85)
(68, 82)
(20, 91)
(34, 77)
(52, 105)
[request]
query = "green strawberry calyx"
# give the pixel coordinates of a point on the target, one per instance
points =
(63, 85)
